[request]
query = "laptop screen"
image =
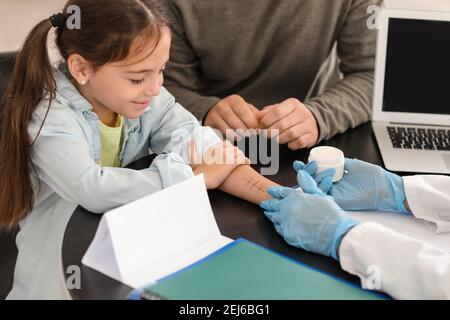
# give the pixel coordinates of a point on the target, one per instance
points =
(417, 77)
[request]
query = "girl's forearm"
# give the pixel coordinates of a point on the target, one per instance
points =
(245, 183)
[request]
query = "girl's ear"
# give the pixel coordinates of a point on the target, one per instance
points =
(80, 69)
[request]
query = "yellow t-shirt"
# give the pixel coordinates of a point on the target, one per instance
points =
(110, 143)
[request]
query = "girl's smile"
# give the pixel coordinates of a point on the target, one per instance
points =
(143, 104)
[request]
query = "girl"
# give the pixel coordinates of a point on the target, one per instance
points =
(67, 132)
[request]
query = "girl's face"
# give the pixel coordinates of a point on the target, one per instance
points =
(127, 87)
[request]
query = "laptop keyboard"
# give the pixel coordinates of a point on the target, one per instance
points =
(419, 138)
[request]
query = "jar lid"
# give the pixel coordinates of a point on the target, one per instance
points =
(327, 155)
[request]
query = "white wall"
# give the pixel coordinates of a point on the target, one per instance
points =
(419, 4)
(18, 17)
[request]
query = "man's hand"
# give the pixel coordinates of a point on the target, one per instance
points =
(232, 112)
(296, 124)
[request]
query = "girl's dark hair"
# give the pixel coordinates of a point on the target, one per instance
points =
(110, 30)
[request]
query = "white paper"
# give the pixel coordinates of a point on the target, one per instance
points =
(407, 225)
(144, 240)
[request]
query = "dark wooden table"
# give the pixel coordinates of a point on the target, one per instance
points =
(236, 218)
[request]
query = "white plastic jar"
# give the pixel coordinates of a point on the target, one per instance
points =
(328, 157)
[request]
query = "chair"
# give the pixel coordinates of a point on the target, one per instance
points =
(8, 250)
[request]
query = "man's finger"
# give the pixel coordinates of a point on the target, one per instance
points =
(255, 111)
(265, 110)
(292, 133)
(244, 112)
(218, 123)
(232, 119)
(303, 141)
(275, 114)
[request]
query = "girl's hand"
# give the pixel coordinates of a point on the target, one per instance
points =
(217, 163)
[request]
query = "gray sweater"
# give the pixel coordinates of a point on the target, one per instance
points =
(270, 50)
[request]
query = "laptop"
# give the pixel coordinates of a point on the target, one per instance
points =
(411, 105)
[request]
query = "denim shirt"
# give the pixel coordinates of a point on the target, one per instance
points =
(66, 156)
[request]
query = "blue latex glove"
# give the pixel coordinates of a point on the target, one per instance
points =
(364, 186)
(309, 220)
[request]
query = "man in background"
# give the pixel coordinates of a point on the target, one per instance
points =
(268, 64)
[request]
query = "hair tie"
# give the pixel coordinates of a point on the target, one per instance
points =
(57, 20)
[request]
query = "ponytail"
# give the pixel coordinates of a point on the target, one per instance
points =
(30, 81)
(125, 25)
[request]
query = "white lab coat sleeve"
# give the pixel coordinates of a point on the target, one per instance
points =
(63, 161)
(429, 199)
(390, 262)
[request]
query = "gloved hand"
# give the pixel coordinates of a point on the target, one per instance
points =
(309, 220)
(364, 186)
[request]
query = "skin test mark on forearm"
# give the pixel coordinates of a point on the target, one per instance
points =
(255, 184)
